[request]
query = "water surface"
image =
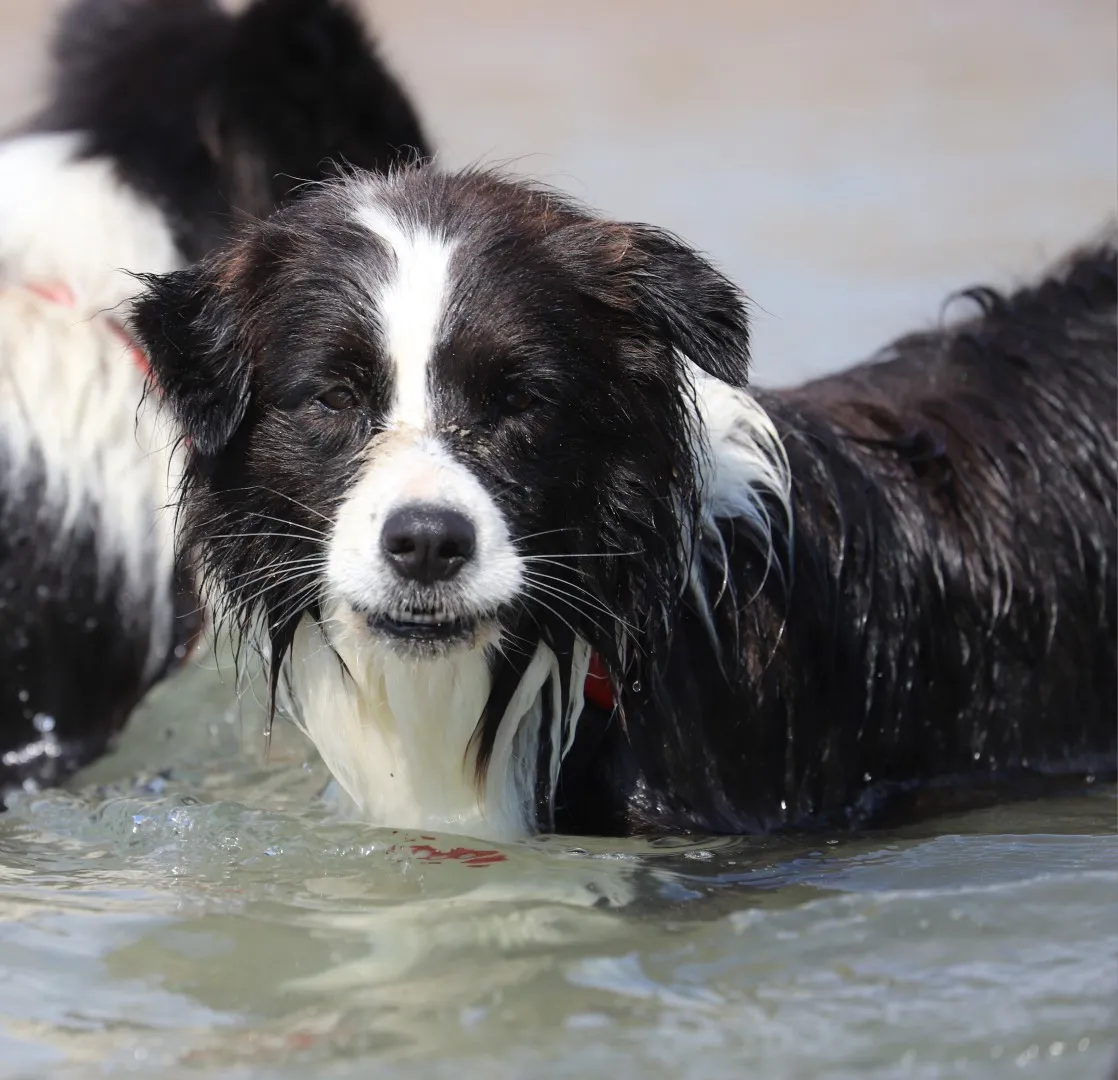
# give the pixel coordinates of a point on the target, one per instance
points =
(187, 908)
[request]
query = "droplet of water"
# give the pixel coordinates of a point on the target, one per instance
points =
(24, 696)
(43, 723)
(636, 686)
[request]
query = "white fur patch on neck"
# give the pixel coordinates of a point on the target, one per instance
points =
(742, 461)
(397, 732)
(64, 218)
(411, 304)
(743, 470)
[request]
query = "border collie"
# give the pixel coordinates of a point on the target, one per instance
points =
(481, 473)
(165, 116)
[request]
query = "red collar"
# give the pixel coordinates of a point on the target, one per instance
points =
(62, 294)
(598, 689)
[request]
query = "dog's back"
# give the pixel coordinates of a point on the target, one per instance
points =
(951, 604)
(942, 607)
(978, 560)
(166, 120)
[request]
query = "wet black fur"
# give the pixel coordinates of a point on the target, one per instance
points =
(211, 115)
(54, 721)
(947, 615)
(941, 606)
(208, 115)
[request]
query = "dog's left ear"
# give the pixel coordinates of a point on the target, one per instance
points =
(183, 323)
(671, 290)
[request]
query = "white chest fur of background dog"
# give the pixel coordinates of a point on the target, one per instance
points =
(69, 390)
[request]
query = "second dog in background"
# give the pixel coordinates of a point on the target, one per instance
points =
(167, 120)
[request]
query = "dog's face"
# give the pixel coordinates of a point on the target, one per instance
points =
(437, 412)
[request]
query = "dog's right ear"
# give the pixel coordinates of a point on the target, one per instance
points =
(184, 324)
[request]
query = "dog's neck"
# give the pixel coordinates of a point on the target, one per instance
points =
(69, 219)
(398, 734)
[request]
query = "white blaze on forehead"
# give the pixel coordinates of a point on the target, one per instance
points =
(411, 304)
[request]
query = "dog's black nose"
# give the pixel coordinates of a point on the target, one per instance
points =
(427, 543)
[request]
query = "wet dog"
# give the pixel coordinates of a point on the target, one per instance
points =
(484, 476)
(165, 120)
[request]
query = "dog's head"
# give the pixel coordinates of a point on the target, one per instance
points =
(207, 113)
(443, 412)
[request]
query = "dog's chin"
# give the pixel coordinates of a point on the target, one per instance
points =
(426, 633)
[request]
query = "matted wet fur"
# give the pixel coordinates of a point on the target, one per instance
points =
(456, 442)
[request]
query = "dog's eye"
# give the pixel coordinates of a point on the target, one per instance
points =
(337, 398)
(518, 400)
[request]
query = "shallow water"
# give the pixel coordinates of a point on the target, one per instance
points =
(214, 916)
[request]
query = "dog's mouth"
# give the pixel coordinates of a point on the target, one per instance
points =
(423, 627)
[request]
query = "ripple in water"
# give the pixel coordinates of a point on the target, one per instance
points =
(216, 915)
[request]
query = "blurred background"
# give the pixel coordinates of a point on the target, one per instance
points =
(848, 163)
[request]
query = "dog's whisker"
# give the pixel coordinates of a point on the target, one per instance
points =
(543, 580)
(247, 601)
(582, 555)
(545, 532)
(296, 502)
(226, 515)
(309, 530)
(262, 536)
(536, 589)
(278, 566)
(268, 582)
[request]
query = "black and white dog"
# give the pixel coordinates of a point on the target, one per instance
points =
(482, 472)
(166, 117)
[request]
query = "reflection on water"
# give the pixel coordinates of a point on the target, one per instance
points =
(215, 915)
